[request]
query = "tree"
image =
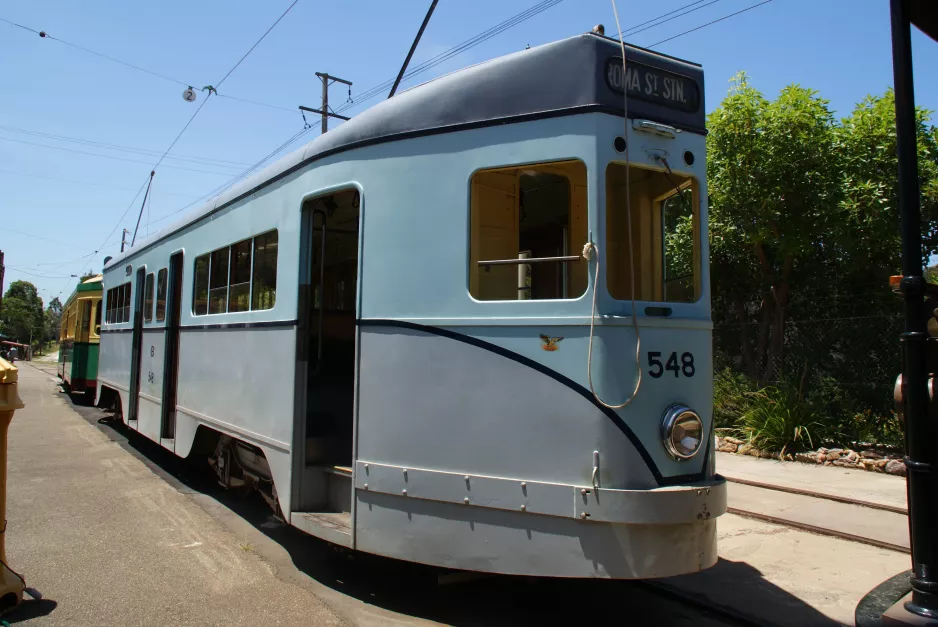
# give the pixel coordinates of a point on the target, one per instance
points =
(773, 183)
(86, 276)
(53, 319)
(22, 313)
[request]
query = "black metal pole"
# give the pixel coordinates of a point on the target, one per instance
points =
(140, 215)
(919, 433)
(413, 47)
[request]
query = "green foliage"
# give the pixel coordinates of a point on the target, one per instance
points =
(731, 392)
(22, 312)
(778, 419)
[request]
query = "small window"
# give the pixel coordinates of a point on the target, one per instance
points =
(239, 293)
(665, 235)
(265, 271)
(161, 295)
(200, 287)
(148, 299)
(97, 319)
(218, 282)
(536, 213)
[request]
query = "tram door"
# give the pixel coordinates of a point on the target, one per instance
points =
(328, 338)
(136, 347)
(171, 353)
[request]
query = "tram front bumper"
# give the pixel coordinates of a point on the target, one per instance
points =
(667, 505)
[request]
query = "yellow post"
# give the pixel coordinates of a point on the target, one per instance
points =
(12, 585)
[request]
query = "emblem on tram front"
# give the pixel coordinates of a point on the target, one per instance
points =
(549, 343)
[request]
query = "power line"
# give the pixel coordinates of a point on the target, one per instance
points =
(40, 276)
(112, 157)
(164, 77)
(142, 151)
(725, 17)
(458, 49)
(39, 237)
(638, 27)
(207, 98)
(214, 89)
(74, 182)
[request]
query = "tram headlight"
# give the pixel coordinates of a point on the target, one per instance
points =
(681, 432)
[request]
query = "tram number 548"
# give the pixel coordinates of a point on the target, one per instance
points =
(658, 368)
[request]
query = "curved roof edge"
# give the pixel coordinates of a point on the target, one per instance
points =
(565, 76)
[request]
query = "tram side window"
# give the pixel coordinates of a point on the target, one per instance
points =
(200, 287)
(240, 277)
(665, 235)
(265, 271)
(97, 319)
(535, 212)
(118, 304)
(161, 295)
(148, 299)
(239, 291)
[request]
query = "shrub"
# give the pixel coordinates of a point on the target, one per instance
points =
(731, 392)
(778, 419)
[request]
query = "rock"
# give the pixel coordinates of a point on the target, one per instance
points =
(832, 455)
(766, 455)
(808, 458)
(755, 452)
(821, 458)
(744, 449)
(828, 463)
(789, 457)
(870, 455)
(844, 463)
(852, 457)
(735, 441)
(881, 463)
(727, 447)
(822, 450)
(895, 467)
(877, 469)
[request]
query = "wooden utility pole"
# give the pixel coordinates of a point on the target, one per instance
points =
(324, 110)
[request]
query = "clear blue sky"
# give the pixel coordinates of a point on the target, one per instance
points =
(839, 47)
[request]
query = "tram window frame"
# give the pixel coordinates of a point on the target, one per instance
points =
(96, 326)
(118, 304)
(503, 229)
(148, 299)
(250, 276)
(652, 193)
(161, 295)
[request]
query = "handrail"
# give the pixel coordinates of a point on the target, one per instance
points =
(322, 289)
(518, 262)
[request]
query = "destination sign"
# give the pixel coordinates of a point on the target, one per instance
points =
(653, 85)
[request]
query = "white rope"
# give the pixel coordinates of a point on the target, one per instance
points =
(591, 249)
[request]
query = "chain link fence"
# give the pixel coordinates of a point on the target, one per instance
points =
(844, 366)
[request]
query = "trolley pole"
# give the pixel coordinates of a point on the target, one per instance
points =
(920, 433)
(324, 111)
(124, 235)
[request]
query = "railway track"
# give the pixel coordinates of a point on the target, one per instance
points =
(867, 522)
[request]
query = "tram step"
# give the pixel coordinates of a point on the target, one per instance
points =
(338, 488)
(330, 526)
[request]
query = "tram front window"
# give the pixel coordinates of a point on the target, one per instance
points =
(665, 235)
(535, 212)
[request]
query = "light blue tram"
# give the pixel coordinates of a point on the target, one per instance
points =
(411, 335)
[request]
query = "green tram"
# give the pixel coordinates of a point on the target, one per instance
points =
(80, 336)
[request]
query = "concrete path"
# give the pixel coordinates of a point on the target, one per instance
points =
(861, 485)
(108, 542)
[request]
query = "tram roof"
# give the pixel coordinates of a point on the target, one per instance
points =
(545, 81)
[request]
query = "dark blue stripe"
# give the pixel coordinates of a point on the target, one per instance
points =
(556, 376)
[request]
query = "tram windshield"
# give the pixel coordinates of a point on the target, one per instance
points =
(665, 235)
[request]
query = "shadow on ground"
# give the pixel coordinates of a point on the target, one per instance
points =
(417, 591)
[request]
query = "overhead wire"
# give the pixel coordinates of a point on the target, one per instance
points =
(112, 157)
(134, 66)
(122, 148)
(75, 182)
(725, 17)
